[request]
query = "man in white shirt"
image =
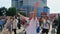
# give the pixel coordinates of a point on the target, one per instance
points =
(32, 21)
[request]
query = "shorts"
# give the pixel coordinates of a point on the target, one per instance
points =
(45, 30)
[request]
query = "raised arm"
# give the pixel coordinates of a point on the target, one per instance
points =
(35, 9)
(21, 16)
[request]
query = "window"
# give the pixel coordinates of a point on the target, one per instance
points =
(21, 3)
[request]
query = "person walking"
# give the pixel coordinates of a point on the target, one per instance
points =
(8, 25)
(54, 26)
(58, 28)
(19, 23)
(46, 25)
(15, 21)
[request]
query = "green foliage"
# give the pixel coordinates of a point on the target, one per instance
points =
(11, 11)
(2, 9)
(23, 13)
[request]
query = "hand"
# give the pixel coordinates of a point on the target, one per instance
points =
(18, 13)
(36, 4)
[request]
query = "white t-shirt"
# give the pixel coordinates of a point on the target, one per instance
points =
(15, 23)
(31, 29)
(46, 24)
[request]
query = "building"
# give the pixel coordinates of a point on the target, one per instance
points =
(26, 5)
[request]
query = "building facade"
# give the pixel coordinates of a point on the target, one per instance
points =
(28, 4)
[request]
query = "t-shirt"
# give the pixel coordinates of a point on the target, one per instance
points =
(32, 25)
(55, 23)
(15, 23)
(46, 24)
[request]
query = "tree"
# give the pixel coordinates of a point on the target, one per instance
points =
(23, 13)
(2, 10)
(11, 11)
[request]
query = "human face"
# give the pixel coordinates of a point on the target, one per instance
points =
(31, 15)
(8, 17)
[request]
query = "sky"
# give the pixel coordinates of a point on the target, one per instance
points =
(5, 3)
(52, 4)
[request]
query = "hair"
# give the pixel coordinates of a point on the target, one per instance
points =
(12, 18)
(47, 17)
(15, 16)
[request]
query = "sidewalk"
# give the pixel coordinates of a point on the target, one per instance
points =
(19, 31)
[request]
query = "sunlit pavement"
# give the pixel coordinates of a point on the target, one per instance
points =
(19, 31)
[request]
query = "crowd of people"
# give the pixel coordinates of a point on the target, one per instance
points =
(32, 24)
(11, 23)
